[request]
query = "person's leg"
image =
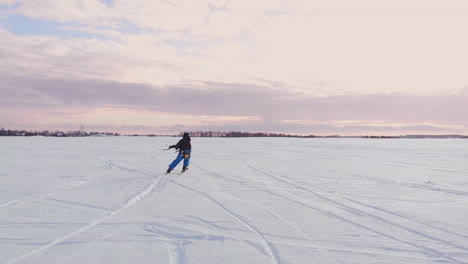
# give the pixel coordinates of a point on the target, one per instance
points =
(179, 158)
(186, 160)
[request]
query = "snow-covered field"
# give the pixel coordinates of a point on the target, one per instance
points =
(251, 200)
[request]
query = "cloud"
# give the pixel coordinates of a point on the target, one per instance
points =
(359, 47)
(84, 11)
(162, 15)
(141, 58)
(288, 63)
(326, 129)
(235, 99)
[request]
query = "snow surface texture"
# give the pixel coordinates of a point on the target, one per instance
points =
(251, 200)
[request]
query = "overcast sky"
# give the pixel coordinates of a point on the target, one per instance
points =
(308, 67)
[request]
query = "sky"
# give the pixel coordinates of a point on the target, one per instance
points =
(322, 67)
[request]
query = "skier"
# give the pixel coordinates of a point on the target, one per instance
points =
(185, 148)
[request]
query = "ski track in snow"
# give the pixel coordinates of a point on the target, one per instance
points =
(176, 253)
(124, 207)
(177, 238)
(408, 184)
(407, 218)
(301, 232)
(295, 183)
(91, 245)
(401, 183)
(333, 215)
(288, 223)
(387, 181)
(44, 195)
(360, 212)
(435, 168)
(226, 231)
(274, 258)
(424, 242)
(55, 190)
(431, 251)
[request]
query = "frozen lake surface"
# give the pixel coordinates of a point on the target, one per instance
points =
(244, 200)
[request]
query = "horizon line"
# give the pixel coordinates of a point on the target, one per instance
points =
(227, 134)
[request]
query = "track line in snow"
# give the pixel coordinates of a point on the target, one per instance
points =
(124, 207)
(423, 250)
(273, 254)
(432, 167)
(291, 242)
(162, 231)
(287, 223)
(407, 184)
(402, 227)
(432, 251)
(356, 211)
(170, 253)
(74, 255)
(124, 168)
(428, 250)
(293, 183)
(387, 181)
(407, 218)
(176, 253)
(55, 190)
(227, 234)
(71, 185)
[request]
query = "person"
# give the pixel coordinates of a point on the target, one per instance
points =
(185, 148)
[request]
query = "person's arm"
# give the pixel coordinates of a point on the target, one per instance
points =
(176, 146)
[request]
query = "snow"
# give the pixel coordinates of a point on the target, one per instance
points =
(244, 200)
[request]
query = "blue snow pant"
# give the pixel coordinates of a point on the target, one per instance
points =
(183, 155)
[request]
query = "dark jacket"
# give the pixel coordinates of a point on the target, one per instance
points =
(183, 144)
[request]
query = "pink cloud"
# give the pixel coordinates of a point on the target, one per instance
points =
(232, 102)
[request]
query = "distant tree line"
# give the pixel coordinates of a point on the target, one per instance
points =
(241, 134)
(381, 136)
(231, 134)
(264, 134)
(55, 133)
(419, 136)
